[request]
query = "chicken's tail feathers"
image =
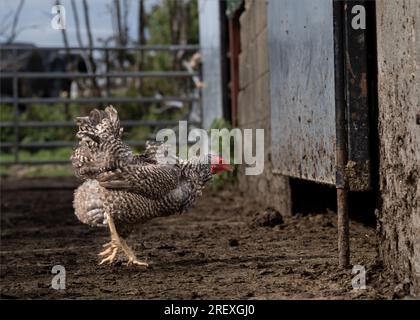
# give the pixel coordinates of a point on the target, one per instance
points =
(113, 116)
(107, 123)
(100, 124)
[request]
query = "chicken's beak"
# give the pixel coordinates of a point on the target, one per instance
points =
(219, 165)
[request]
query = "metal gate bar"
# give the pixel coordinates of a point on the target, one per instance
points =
(187, 47)
(142, 74)
(97, 99)
(15, 100)
(125, 123)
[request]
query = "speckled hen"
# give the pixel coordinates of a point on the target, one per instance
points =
(121, 189)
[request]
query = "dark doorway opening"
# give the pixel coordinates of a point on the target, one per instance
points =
(310, 197)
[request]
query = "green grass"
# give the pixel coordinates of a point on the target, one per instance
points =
(44, 170)
(53, 154)
(226, 178)
(37, 170)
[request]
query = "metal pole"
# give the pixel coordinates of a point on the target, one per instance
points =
(108, 85)
(341, 139)
(211, 53)
(16, 109)
(343, 228)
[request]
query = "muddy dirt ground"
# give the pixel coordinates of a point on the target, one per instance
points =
(217, 250)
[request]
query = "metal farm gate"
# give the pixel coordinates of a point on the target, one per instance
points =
(12, 77)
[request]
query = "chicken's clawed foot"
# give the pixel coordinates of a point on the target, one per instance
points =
(132, 259)
(110, 251)
(111, 248)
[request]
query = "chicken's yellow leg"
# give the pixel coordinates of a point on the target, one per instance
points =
(116, 243)
(112, 246)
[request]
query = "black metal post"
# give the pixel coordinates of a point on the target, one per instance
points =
(341, 137)
(16, 108)
(108, 85)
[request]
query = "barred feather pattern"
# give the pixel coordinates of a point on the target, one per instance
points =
(92, 201)
(128, 209)
(88, 204)
(130, 188)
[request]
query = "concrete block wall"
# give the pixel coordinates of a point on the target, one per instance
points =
(254, 106)
(398, 42)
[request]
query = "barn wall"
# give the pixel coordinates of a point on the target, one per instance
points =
(398, 35)
(254, 106)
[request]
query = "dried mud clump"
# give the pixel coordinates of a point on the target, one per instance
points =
(267, 218)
